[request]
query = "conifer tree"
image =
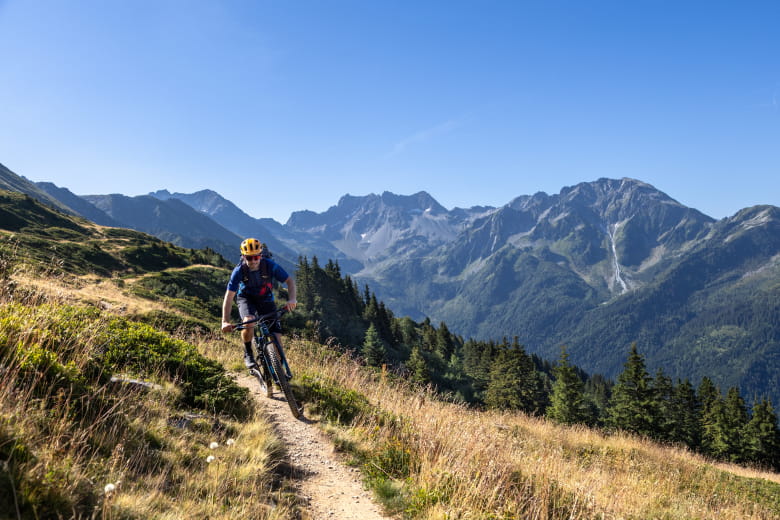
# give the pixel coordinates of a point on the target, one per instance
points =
(471, 356)
(373, 348)
(366, 295)
(632, 406)
(709, 396)
(383, 323)
(686, 410)
(503, 390)
(663, 406)
(713, 438)
(724, 425)
(418, 368)
(304, 284)
(598, 391)
(408, 331)
(428, 334)
(736, 420)
(568, 404)
(481, 372)
(762, 436)
(445, 344)
(514, 382)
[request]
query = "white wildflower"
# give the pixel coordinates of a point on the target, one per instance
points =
(210, 459)
(230, 442)
(214, 445)
(109, 488)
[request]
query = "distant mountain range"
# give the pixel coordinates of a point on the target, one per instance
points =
(595, 267)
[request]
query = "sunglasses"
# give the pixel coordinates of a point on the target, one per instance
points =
(253, 258)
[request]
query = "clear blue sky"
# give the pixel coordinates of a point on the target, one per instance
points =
(288, 105)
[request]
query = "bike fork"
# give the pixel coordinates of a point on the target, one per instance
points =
(286, 367)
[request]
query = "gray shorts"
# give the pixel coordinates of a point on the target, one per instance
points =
(247, 308)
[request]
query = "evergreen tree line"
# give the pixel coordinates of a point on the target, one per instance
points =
(503, 375)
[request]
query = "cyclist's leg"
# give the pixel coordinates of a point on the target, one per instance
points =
(247, 312)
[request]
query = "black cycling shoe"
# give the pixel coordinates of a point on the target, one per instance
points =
(249, 361)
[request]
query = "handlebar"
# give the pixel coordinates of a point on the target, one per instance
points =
(278, 313)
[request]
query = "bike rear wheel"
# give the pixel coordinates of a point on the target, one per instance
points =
(275, 358)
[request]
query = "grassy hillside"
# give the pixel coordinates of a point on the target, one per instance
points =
(140, 310)
(103, 415)
(430, 459)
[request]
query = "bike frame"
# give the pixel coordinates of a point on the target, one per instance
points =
(263, 337)
(270, 354)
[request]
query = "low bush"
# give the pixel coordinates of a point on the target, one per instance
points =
(333, 402)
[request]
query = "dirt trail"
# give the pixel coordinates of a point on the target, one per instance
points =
(333, 490)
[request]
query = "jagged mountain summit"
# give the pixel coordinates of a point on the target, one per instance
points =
(611, 233)
(372, 228)
(285, 244)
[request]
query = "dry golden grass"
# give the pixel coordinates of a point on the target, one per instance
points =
(514, 466)
(111, 294)
(155, 455)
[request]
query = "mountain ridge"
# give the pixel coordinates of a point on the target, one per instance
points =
(597, 266)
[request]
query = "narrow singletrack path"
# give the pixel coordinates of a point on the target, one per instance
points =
(332, 489)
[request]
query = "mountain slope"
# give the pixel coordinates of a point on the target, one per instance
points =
(170, 220)
(715, 312)
(36, 234)
(13, 182)
(78, 204)
(229, 216)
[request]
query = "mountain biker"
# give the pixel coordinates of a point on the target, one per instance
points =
(251, 284)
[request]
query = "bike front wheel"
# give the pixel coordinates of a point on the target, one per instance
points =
(264, 382)
(275, 358)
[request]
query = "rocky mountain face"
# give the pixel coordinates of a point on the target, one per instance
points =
(596, 267)
(375, 228)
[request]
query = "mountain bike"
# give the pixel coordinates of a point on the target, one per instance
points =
(272, 364)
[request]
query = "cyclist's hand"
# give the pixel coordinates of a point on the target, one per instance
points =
(291, 305)
(227, 327)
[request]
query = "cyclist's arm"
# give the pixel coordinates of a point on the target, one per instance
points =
(227, 306)
(292, 302)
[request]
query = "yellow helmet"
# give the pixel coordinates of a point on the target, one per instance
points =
(250, 246)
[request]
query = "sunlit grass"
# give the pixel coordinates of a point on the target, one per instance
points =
(469, 464)
(75, 444)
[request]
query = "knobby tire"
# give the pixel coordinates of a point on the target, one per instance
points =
(262, 374)
(275, 358)
(264, 381)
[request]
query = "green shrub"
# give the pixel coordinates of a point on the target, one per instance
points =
(140, 349)
(333, 402)
(69, 343)
(171, 322)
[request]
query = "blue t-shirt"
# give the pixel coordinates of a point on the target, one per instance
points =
(237, 284)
